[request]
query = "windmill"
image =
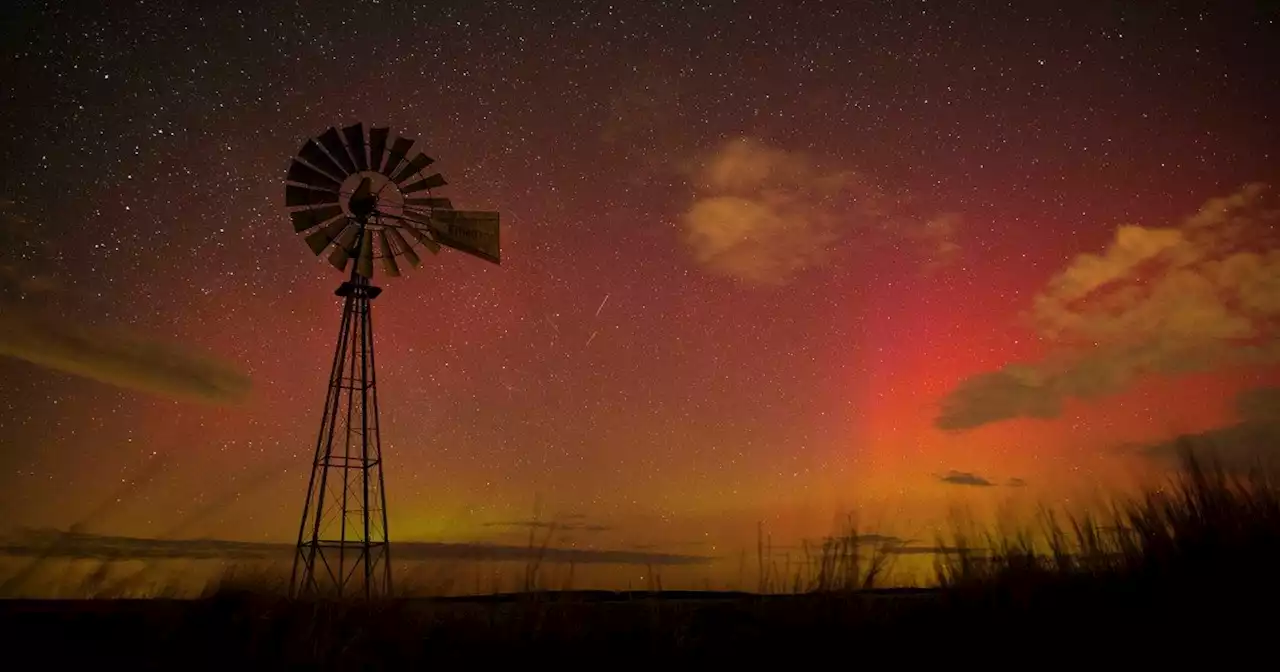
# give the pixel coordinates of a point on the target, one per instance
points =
(361, 198)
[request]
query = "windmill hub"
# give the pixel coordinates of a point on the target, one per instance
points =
(363, 202)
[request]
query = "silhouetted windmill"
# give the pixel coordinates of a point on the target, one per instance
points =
(356, 198)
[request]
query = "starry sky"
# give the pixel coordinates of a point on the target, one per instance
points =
(763, 263)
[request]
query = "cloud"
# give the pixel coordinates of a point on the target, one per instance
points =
(934, 550)
(1252, 441)
(883, 539)
(1201, 296)
(898, 546)
(547, 525)
(30, 331)
(764, 215)
(1259, 405)
(1016, 391)
(965, 478)
(119, 358)
(883, 543)
(56, 543)
(1016, 482)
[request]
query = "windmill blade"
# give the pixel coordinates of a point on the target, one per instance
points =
(426, 240)
(471, 231)
(398, 149)
(343, 247)
(295, 196)
(308, 219)
(312, 154)
(388, 257)
(423, 218)
(338, 258)
(418, 163)
(355, 143)
(348, 238)
(320, 239)
(429, 182)
(377, 146)
(422, 230)
(301, 172)
(402, 246)
(333, 143)
(433, 203)
(364, 265)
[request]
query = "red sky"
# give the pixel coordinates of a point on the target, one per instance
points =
(719, 389)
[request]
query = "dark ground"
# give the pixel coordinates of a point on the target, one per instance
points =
(1048, 626)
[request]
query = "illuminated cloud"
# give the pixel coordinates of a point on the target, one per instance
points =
(763, 214)
(1203, 296)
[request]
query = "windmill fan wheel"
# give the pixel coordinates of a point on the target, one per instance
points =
(366, 197)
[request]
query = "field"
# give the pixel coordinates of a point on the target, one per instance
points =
(1190, 567)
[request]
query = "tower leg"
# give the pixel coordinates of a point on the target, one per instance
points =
(342, 539)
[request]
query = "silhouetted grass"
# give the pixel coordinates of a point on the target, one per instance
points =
(1191, 564)
(1207, 528)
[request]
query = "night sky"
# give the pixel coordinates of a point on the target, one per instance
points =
(762, 262)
